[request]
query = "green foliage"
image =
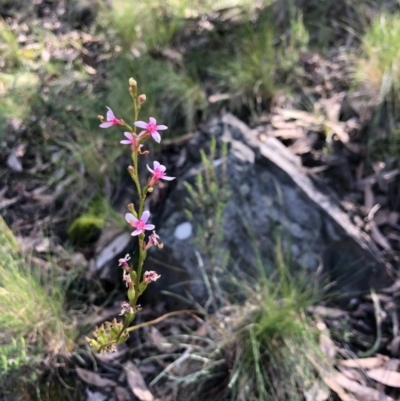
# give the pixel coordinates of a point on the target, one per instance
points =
(13, 356)
(379, 75)
(151, 23)
(17, 91)
(379, 67)
(28, 307)
(206, 202)
(174, 94)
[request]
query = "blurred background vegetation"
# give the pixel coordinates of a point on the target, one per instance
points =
(63, 61)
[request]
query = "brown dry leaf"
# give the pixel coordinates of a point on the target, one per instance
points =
(305, 117)
(323, 311)
(316, 393)
(136, 383)
(365, 363)
(386, 377)
(331, 382)
(352, 374)
(362, 393)
(122, 394)
(326, 344)
(376, 235)
(219, 97)
(295, 133)
(159, 340)
(368, 197)
(110, 358)
(338, 129)
(202, 331)
(94, 379)
(394, 346)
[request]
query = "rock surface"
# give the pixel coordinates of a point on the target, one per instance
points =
(271, 196)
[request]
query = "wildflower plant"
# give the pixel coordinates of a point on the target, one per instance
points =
(109, 335)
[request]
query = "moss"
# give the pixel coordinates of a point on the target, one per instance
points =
(86, 228)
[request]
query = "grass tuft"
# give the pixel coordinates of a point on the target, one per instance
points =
(31, 302)
(379, 69)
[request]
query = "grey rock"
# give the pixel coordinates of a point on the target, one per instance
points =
(271, 195)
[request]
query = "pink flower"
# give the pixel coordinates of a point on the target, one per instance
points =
(132, 140)
(150, 276)
(127, 278)
(153, 240)
(111, 120)
(151, 128)
(140, 224)
(125, 308)
(124, 261)
(158, 173)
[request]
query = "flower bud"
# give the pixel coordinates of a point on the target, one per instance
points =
(150, 189)
(142, 98)
(131, 208)
(132, 83)
(131, 294)
(131, 172)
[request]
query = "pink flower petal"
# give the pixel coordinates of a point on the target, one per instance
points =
(125, 142)
(145, 216)
(130, 217)
(148, 168)
(162, 168)
(156, 164)
(153, 120)
(106, 125)
(156, 136)
(137, 232)
(110, 114)
(161, 127)
(128, 135)
(149, 227)
(141, 124)
(166, 178)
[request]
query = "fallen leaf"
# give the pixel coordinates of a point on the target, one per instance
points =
(13, 162)
(288, 133)
(335, 387)
(110, 358)
(95, 396)
(136, 383)
(159, 340)
(323, 311)
(376, 235)
(94, 379)
(362, 392)
(365, 363)
(352, 374)
(386, 377)
(316, 393)
(202, 331)
(122, 394)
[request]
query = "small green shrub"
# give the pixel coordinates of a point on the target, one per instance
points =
(379, 68)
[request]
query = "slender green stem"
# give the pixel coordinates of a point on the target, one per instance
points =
(163, 317)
